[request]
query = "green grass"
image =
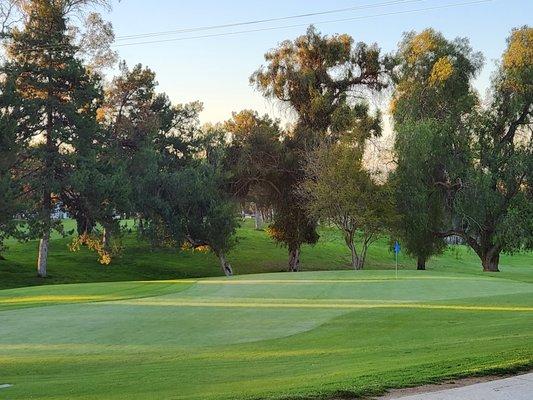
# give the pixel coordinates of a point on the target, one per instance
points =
(254, 253)
(168, 334)
(268, 336)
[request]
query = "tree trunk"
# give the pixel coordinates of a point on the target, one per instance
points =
(487, 251)
(294, 259)
(421, 264)
(106, 238)
(83, 225)
(42, 260)
(258, 218)
(359, 263)
(355, 259)
(490, 261)
(226, 266)
(362, 257)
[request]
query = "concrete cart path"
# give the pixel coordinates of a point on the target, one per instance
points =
(515, 388)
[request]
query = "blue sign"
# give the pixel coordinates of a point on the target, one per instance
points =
(397, 247)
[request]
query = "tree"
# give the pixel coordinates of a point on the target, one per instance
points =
(431, 100)
(10, 186)
(252, 158)
(494, 202)
(146, 133)
(320, 78)
(253, 153)
(9, 16)
(339, 190)
(96, 192)
(418, 203)
(176, 187)
(194, 212)
(358, 204)
(57, 96)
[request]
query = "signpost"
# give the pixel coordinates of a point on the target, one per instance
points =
(397, 249)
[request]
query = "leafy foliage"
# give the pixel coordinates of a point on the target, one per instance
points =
(10, 187)
(495, 203)
(430, 104)
(339, 190)
(320, 78)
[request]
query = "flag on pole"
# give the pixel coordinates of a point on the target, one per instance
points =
(397, 249)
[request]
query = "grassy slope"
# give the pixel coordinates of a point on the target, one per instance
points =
(269, 336)
(255, 253)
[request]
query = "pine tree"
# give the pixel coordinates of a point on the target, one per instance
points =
(57, 108)
(10, 188)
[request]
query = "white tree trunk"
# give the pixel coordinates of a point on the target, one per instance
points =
(258, 218)
(42, 260)
(106, 238)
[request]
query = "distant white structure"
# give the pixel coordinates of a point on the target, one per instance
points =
(58, 213)
(454, 239)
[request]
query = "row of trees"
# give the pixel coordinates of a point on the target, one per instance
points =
(100, 151)
(463, 166)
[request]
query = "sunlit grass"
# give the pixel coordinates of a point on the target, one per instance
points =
(271, 336)
(173, 334)
(54, 299)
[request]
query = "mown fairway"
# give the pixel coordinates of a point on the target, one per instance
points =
(261, 336)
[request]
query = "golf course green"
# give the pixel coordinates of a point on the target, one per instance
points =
(267, 336)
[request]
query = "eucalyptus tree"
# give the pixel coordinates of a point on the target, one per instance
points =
(431, 101)
(494, 202)
(320, 79)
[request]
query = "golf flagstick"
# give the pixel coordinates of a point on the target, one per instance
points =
(396, 265)
(396, 252)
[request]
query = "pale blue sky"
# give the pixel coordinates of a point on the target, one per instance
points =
(216, 70)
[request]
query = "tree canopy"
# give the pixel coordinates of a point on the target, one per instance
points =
(431, 100)
(321, 79)
(104, 150)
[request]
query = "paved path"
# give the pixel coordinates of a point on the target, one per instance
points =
(515, 388)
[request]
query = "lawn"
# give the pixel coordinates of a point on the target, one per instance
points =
(254, 253)
(151, 328)
(269, 336)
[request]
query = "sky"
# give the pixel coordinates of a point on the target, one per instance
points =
(216, 70)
